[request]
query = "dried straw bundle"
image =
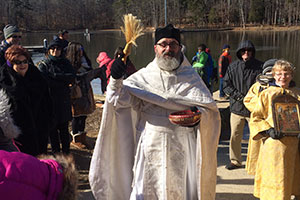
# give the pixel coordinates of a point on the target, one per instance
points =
(132, 30)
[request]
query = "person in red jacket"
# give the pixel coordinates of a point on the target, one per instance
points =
(104, 61)
(224, 61)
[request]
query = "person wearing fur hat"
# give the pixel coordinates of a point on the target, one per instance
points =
(139, 152)
(29, 98)
(250, 101)
(44, 178)
(240, 76)
(59, 74)
(12, 35)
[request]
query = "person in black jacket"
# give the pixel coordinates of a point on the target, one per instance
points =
(240, 76)
(12, 35)
(31, 105)
(60, 74)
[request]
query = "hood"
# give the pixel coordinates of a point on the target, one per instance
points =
(103, 59)
(56, 42)
(242, 45)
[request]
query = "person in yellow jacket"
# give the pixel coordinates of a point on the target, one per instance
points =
(277, 174)
(250, 101)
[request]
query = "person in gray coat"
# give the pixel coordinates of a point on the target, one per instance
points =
(8, 129)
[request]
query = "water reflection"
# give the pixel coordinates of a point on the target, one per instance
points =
(269, 44)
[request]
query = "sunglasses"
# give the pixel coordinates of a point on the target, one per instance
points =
(55, 47)
(19, 62)
(247, 49)
(16, 36)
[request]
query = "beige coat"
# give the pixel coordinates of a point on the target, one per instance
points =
(250, 101)
(278, 166)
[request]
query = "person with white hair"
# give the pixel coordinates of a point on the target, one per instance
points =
(250, 101)
(277, 173)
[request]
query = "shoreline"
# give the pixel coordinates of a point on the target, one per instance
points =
(185, 29)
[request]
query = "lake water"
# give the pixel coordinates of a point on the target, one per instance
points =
(269, 44)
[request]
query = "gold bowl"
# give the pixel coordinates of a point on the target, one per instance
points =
(186, 118)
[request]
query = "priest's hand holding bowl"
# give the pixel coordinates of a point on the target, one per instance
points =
(186, 118)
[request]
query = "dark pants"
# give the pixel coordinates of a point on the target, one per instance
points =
(222, 94)
(60, 134)
(78, 124)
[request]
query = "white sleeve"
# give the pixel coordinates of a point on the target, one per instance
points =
(119, 95)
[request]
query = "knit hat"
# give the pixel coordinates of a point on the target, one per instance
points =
(268, 65)
(54, 43)
(226, 46)
(62, 32)
(9, 30)
(167, 32)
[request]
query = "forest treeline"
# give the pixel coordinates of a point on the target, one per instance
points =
(32, 15)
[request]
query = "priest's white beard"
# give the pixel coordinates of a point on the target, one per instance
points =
(167, 63)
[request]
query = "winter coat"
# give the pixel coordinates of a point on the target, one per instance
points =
(3, 47)
(250, 101)
(42, 105)
(204, 67)
(224, 61)
(200, 62)
(59, 74)
(278, 167)
(30, 105)
(8, 130)
(105, 62)
(85, 104)
(240, 76)
(25, 177)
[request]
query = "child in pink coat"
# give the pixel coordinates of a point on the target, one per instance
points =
(25, 177)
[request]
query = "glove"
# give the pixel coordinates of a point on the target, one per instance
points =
(274, 134)
(239, 97)
(118, 68)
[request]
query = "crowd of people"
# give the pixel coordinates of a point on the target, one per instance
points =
(139, 153)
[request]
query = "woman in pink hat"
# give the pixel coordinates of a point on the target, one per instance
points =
(104, 61)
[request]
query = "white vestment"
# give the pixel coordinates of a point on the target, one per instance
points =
(139, 154)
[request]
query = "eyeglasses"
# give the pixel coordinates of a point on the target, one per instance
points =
(283, 74)
(16, 36)
(19, 62)
(172, 45)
